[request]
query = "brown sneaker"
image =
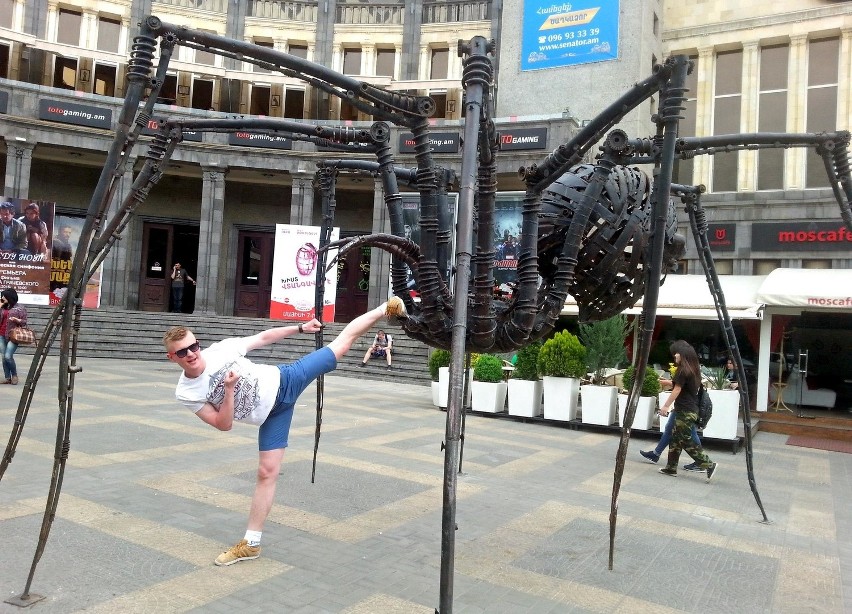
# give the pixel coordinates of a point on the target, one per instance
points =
(239, 552)
(395, 307)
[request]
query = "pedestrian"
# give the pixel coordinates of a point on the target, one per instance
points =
(654, 455)
(12, 316)
(684, 398)
(179, 279)
(382, 347)
(221, 386)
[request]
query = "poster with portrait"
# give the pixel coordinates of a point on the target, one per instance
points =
(294, 275)
(411, 221)
(66, 235)
(508, 222)
(25, 243)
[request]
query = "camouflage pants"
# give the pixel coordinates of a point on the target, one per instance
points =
(682, 440)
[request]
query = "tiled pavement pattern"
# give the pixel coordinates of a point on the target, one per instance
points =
(151, 495)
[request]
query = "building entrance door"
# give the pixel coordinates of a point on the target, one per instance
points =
(353, 284)
(254, 274)
(162, 246)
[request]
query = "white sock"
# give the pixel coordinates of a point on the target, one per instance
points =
(253, 538)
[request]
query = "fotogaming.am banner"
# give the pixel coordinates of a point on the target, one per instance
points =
(294, 275)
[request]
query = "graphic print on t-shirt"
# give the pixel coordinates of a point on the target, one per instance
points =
(246, 391)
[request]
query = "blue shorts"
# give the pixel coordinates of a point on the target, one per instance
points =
(275, 430)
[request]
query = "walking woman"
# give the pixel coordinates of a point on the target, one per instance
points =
(684, 397)
(12, 316)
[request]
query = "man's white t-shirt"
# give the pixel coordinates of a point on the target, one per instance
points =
(254, 393)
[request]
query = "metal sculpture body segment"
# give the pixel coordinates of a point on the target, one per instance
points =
(604, 232)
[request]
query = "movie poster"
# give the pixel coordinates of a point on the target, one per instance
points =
(66, 235)
(411, 221)
(294, 275)
(508, 222)
(25, 244)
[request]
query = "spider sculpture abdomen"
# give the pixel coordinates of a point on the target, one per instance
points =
(615, 248)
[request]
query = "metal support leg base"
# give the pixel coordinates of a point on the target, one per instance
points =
(25, 601)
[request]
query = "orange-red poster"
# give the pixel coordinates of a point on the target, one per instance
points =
(66, 234)
(294, 275)
(25, 243)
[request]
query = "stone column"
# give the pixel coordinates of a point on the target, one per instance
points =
(115, 282)
(797, 88)
(368, 59)
(704, 111)
(844, 98)
(19, 161)
(210, 240)
(747, 168)
(380, 260)
(424, 65)
(302, 200)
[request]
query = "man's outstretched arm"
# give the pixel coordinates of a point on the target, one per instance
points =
(274, 335)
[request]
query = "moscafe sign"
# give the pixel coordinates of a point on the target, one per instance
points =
(76, 114)
(722, 237)
(4, 101)
(523, 138)
(259, 139)
(154, 126)
(800, 236)
(441, 142)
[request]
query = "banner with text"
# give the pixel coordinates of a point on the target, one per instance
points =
(557, 34)
(294, 274)
(25, 248)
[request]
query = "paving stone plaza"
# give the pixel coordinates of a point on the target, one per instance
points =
(151, 495)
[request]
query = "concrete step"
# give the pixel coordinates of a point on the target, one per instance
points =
(115, 333)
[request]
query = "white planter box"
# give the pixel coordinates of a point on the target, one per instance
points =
(560, 397)
(726, 412)
(598, 404)
(488, 397)
(444, 388)
(645, 412)
(525, 398)
(664, 396)
(436, 394)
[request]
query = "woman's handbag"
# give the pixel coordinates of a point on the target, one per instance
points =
(22, 335)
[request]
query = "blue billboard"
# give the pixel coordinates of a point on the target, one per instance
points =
(557, 34)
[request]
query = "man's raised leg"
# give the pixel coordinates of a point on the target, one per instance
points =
(363, 323)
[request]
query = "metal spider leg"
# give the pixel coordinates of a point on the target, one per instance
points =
(698, 224)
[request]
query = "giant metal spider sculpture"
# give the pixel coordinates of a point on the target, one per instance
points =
(603, 232)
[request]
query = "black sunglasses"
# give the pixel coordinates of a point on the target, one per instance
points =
(181, 353)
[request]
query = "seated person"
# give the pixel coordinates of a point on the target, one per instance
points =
(382, 346)
(731, 374)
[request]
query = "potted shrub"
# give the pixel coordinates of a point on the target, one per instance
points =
(561, 362)
(525, 386)
(439, 371)
(647, 404)
(488, 388)
(726, 405)
(604, 341)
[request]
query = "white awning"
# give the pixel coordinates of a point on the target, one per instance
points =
(829, 289)
(688, 297)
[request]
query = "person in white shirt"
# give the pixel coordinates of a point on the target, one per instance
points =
(382, 347)
(220, 385)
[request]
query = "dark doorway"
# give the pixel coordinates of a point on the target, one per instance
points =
(353, 284)
(254, 274)
(162, 246)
